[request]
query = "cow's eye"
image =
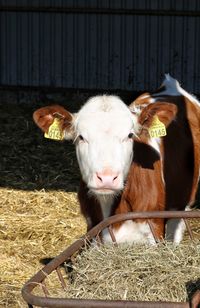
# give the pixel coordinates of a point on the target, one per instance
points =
(81, 137)
(130, 136)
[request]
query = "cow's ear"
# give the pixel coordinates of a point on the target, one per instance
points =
(45, 116)
(166, 112)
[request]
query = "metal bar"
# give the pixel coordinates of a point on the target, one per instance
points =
(44, 288)
(87, 10)
(60, 276)
(110, 229)
(78, 303)
(188, 228)
(195, 299)
(98, 239)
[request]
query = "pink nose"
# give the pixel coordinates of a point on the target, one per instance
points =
(106, 179)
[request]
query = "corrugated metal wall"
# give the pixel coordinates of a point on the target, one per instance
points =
(95, 44)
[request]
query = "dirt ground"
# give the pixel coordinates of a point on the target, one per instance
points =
(39, 213)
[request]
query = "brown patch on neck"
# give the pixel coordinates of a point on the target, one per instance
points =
(144, 155)
(144, 189)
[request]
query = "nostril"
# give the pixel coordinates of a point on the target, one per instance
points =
(115, 178)
(106, 179)
(100, 179)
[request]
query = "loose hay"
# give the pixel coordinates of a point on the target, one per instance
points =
(39, 212)
(162, 273)
(33, 225)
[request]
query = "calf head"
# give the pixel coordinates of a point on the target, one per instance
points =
(103, 132)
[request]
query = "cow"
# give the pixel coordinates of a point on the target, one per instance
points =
(126, 169)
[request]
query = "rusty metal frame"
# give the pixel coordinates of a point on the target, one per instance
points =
(67, 254)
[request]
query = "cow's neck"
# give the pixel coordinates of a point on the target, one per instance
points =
(106, 203)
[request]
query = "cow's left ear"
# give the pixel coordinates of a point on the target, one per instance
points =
(45, 116)
(166, 112)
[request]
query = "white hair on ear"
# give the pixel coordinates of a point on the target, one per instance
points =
(69, 132)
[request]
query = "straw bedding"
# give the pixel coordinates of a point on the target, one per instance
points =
(39, 212)
(33, 225)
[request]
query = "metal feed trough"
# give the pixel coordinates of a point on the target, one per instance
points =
(67, 255)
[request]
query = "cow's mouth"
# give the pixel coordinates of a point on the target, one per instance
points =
(104, 191)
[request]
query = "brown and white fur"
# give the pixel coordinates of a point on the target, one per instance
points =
(125, 170)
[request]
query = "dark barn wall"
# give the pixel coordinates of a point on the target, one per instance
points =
(95, 44)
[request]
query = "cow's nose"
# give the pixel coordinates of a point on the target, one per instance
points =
(107, 179)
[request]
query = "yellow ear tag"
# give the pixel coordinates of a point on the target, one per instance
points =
(55, 131)
(157, 128)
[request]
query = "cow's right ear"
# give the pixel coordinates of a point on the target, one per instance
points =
(45, 116)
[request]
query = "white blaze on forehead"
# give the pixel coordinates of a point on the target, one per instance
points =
(104, 114)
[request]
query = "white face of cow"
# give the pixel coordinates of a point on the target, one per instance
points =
(104, 130)
(103, 135)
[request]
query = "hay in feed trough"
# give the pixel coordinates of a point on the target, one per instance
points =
(139, 273)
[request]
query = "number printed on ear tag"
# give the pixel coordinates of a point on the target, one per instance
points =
(157, 128)
(55, 131)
